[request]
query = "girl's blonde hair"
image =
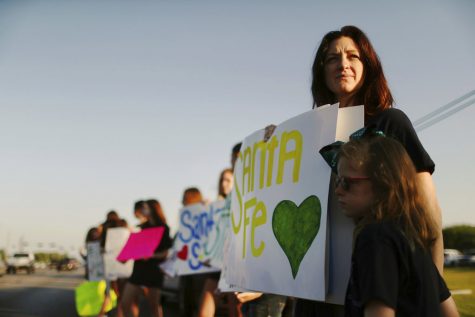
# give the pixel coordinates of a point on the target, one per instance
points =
(395, 187)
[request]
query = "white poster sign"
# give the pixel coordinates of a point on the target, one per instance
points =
(213, 247)
(115, 241)
(279, 208)
(223, 285)
(340, 227)
(195, 226)
(95, 262)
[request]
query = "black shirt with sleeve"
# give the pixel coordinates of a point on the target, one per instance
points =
(394, 123)
(147, 272)
(387, 267)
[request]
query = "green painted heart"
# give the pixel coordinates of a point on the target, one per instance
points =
(295, 228)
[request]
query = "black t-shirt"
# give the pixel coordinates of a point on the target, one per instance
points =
(147, 272)
(386, 267)
(394, 123)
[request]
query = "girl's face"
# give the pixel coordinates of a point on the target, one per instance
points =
(142, 214)
(227, 183)
(343, 68)
(353, 189)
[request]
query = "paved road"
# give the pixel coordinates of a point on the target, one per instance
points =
(45, 294)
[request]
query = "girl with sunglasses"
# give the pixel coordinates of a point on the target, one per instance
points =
(392, 272)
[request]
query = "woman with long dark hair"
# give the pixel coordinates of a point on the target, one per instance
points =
(146, 276)
(347, 70)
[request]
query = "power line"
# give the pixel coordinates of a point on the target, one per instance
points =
(445, 115)
(443, 108)
(444, 112)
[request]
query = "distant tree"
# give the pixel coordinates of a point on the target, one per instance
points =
(48, 257)
(461, 237)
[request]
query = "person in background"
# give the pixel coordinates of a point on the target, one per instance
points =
(225, 183)
(92, 235)
(208, 296)
(147, 278)
(192, 195)
(235, 154)
(113, 221)
(392, 272)
(191, 284)
(141, 211)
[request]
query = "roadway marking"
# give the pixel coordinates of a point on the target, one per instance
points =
(461, 292)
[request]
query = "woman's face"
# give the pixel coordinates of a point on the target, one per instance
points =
(142, 214)
(354, 191)
(227, 183)
(343, 69)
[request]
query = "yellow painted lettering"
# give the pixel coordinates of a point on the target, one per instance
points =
(239, 198)
(271, 146)
(248, 204)
(295, 155)
(259, 217)
(246, 169)
(261, 146)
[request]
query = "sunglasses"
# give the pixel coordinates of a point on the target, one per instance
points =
(346, 182)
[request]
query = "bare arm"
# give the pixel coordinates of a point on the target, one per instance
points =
(427, 187)
(448, 308)
(378, 309)
(247, 296)
(158, 256)
(161, 255)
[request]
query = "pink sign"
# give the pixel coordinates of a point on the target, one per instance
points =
(141, 245)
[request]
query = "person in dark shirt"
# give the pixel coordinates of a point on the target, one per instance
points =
(146, 275)
(392, 272)
(112, 221)
(347, 70)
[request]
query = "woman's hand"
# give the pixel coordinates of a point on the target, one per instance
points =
(247, 296)
(158, 256)
(161, 255)
(269, 130)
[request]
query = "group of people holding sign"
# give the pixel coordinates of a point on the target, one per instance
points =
(344, 229)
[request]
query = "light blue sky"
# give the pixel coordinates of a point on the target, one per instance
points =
(106, 102)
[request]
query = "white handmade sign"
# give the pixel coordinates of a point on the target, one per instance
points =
(223, 285)
(196, 224)
(115, 241)
(214, 243)
(279, 208)
(95, 262)
(340, 227)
